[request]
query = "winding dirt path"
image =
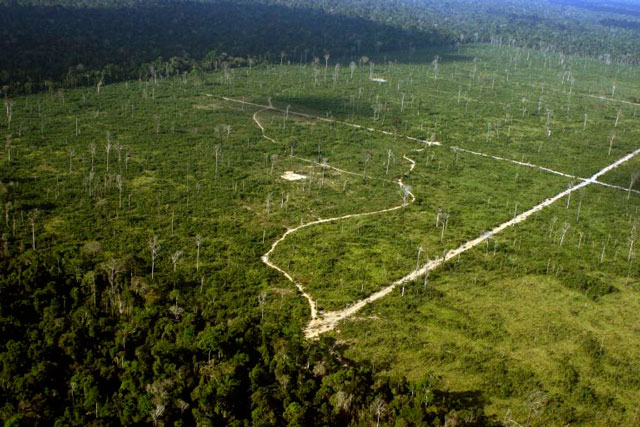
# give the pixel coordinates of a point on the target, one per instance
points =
(428, 143)
(266, 257)
(255, 119)
(324, 119)
(329, 320)
(322, 322)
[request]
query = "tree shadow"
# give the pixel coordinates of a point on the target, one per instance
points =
(46, 42)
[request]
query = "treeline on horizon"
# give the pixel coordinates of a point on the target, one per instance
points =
(78, 46)
(68, 43)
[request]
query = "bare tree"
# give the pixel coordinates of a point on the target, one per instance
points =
(632, 181)
(352, 68)
(32, 220)
(553, 223)
(367, 158)
(380, 407)
(198, 243)
(92, 151)
(326, 64)
(569, 195)
(389, 156)
(119, 183)
(581, 236)
(435, 62)
(8, 106)
(107, 148)
(90, 182)
(176, 310)
(584, 125)
(286, 115)
(217, 149)
(175, 257)
(172, 218)
(154, 246)
(426, 275)
(565, 228)
(613, 136)
(113, 267)
(632, 239)
(445, 221)
(292, 145)
(262, 301)
(99, 84)
(406, 192)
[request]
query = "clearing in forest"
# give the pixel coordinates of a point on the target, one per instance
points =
(517, 150)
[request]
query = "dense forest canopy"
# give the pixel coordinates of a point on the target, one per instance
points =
(70, 43)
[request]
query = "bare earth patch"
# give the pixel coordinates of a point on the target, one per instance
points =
(292, 176)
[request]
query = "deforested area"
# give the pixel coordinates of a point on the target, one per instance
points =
(320, 213)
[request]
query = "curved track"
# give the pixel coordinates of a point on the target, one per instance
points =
(266, 257)
(322, 322)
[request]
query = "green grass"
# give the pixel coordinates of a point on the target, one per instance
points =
(345, 261)
(514, 322)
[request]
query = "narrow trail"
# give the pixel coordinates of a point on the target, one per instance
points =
(266, 257)
(542, 168)
(604, 98)
(324, 119)
(322, 322)
(411, 161)
(329, 320)
(255, 119)
(336, 169)
(527, 164)
(428, 143)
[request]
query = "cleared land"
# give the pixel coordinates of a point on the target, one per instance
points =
(509, 155)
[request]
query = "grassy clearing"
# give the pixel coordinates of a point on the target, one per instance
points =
(531, 316)
(347, 260)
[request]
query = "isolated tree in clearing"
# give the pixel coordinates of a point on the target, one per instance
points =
(154, 247)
